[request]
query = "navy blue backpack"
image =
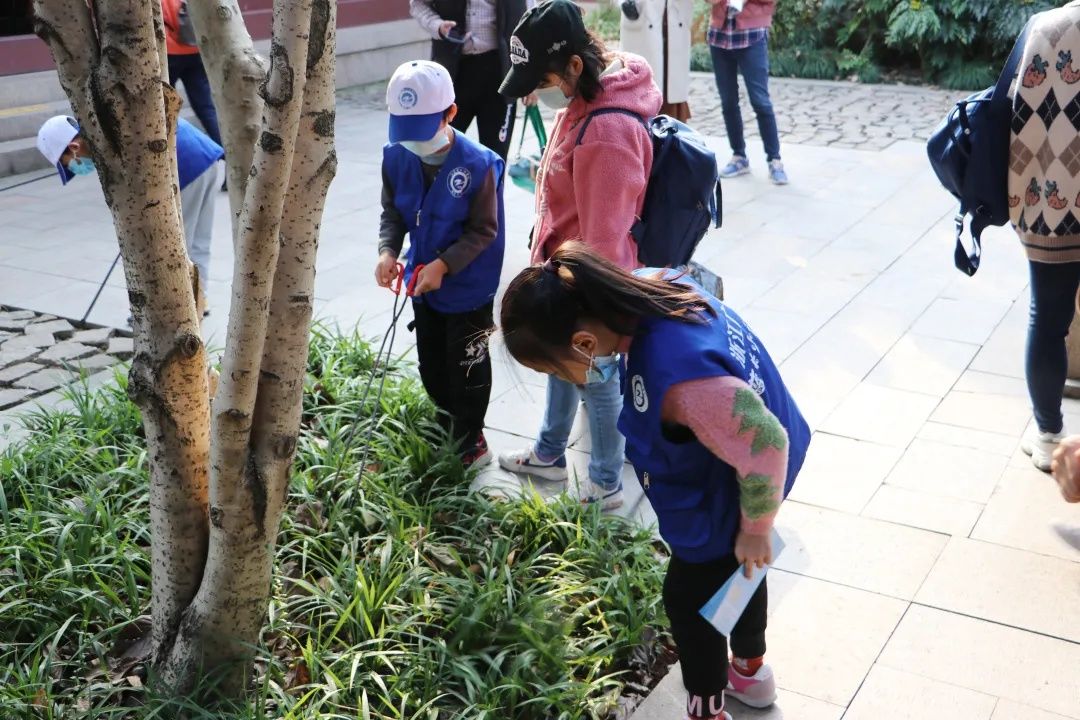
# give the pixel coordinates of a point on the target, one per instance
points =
(969, 151)
(683, 195)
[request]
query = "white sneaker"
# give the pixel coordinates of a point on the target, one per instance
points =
(525, 462)
(1040, 446)
(592, 493)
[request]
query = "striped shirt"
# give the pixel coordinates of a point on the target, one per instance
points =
(731, 38)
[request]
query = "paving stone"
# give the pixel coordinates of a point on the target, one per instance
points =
(4, 335)
(49, 379)
(29, 340)
(15, 324)
(66, 352)
(51, 326)
(15, 354)
(13, 396)
(99, 337)
(14, 372)
(17, 315)
(122, 347)
(99, 361)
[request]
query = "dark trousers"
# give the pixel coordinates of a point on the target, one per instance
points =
(1053, 304)
(703, 651)
(476, 85)
(455, 367)
(753, 62)
(189, 70)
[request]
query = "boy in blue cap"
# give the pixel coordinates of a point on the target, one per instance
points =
(445, 192)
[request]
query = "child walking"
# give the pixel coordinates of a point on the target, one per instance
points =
(714, 436)
(446, 193)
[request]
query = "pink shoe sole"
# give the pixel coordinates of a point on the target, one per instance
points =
(758, 691)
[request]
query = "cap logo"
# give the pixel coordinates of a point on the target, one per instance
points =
(557, 47)
(519, 54)
(459, 181)
(407, 99)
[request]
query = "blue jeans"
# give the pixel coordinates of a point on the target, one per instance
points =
(754, 64)
(1053, 304)
(188, 69)
(603, 403)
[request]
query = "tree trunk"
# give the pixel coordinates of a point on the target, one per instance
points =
(114, 84)
(215, 506)
(248, 486)
(235, 71)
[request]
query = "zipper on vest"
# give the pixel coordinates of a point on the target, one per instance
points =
(645, 480)
(420, 210)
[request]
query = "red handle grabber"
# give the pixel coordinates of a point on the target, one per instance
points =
(399, 281)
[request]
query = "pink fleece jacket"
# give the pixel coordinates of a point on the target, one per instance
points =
(594, 192)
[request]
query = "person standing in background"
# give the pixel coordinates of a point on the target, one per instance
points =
(659, 31)
(471, 39)
(739, 42)
(185, 66)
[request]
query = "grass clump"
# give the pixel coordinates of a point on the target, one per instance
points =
(398, 596)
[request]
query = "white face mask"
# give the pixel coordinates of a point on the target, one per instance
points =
(425, 148)
(553, 97)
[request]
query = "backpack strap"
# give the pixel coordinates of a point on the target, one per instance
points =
(968, 262)
(608, 111)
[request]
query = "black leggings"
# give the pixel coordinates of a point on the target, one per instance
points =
(703, 651)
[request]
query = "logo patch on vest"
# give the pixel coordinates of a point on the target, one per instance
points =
(459, 180)
(519, 54)
(407, 99)
(641, 398)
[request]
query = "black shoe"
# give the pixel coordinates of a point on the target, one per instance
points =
(224, 186)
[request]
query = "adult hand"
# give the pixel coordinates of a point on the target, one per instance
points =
(1066, 468)
(431, 277)
(446, 27)
(386, 271)
(530, 100)
(753, 551)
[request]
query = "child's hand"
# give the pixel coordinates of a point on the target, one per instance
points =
(752, 551)
(1066, 467)
(387, 270)
(431, 277)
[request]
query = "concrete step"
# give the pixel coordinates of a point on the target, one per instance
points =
(20, 156)
(22, 122)
(30, 89)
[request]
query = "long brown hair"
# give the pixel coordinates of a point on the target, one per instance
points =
(545, 304)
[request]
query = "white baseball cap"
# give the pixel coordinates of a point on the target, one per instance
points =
(53, 139)
(418, 94)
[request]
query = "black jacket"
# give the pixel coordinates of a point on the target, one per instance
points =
(446, 53)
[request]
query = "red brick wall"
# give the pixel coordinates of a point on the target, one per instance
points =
(26, 53)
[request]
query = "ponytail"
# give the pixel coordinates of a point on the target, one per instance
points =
(545, 304)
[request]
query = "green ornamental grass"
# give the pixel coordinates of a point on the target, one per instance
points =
(400, 595)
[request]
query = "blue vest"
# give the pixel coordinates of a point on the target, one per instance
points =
(694, 493)
(436, 218)
(195, 152)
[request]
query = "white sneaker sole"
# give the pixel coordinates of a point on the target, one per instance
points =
(737, 173)
(551, 474)
(748, 702)
(1039, 458)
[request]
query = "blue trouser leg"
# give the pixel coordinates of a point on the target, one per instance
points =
(1053, 303)
(726, 70)
(754, 64)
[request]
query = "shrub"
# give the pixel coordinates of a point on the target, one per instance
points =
(398, 595)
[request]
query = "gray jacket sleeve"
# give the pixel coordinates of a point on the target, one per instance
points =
(481, 227)
(392, 227)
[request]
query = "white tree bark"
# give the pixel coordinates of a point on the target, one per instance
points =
(215, 506)
(235, 71)
(127, 115)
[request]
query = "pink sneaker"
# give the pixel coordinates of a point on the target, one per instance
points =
(758, 691)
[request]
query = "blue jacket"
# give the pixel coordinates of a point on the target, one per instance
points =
(436, 218)
(195, 152)
(694, 493)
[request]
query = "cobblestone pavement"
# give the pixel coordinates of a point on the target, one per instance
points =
(808, 112)
(834, 114)
(41, 353)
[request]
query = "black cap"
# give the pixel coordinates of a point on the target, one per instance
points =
(552, 29)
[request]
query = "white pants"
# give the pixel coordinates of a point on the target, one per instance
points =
(197, 208)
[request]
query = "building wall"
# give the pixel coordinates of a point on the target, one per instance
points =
(27, 54)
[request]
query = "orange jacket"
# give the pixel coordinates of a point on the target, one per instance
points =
(170, 9)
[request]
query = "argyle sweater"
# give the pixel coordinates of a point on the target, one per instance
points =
(1044, 148)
